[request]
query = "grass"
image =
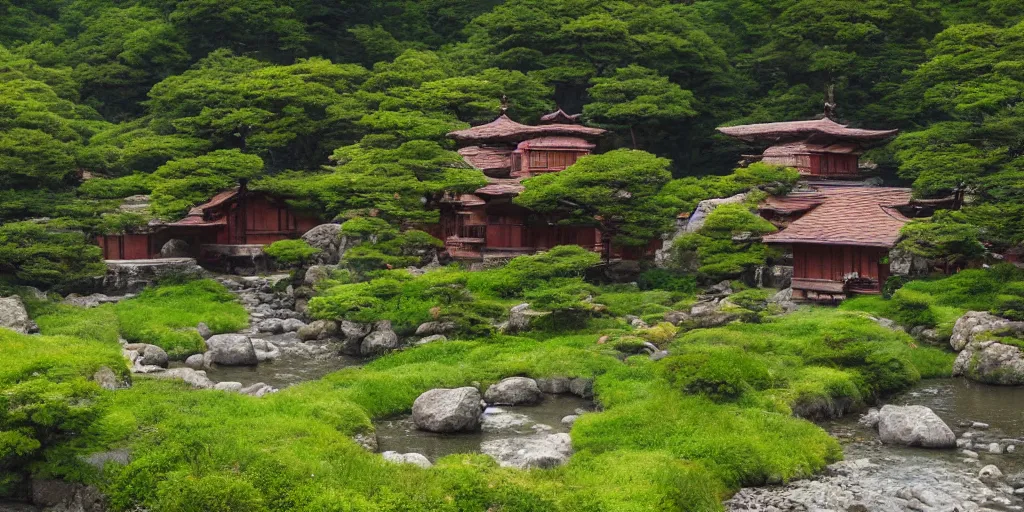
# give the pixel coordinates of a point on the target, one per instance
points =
(676, 434)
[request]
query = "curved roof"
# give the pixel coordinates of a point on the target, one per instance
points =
(559, 116)
(556, 142)
(864, 216)
(504, 129)
(485, 158)
(804, 129)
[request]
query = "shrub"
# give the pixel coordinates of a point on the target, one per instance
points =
(713, 247)
(565, 298)
(721, 373)
(116, 188)
(291, 252)
(47, 254)
(662, 279)
(893, 284)
(911, 308)
(186, 493)
(525, 272)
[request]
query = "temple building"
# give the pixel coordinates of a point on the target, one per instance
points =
(486, 223)
(234, 223)
(819, 148)
(840, 237)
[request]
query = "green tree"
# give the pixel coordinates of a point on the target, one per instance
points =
(637, 99)
(180, 184)
(615, 192)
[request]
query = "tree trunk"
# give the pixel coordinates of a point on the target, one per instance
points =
(632, 135)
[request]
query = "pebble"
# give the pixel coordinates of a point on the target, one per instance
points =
(970, 454)
(995, 448)
(979, 425)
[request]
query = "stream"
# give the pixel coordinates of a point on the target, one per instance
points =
(880, 477)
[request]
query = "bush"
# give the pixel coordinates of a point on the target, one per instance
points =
(291, 252)
(662, 279)
(47, 254)
(893, 284)
(221, 493)
(715, 251)
(720, 373)
(911, 308)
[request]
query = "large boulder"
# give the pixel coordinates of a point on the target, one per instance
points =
(327, 238)
(432, 328)
(973, 323)
(317, 273)
(914, 425)
(530, 452)
(382, 339)
(991, 362)
(513, 391)
(519, 319)
(906, 263)
(175, 248)
(195, 378)
(147, 355)
(416, 459)
(64, 496)
(691, 224)
(448, 410)
(232, 350)
(318, 330)
(13, 315)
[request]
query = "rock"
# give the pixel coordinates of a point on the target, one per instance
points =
(63, 496)
(970, 454)
(318, 330)
(691, 224)
(991, 362)
(175, 248)
(232, 350)
(905, 263)
(979, 425)
(107, 379)
(259, 389)
(870, 419)
(432, 339)
(233, 387)
(382, 339)
(1016, 480)
(554, 385)
(995, 448)
(709, 313)
(204, 330)
(316, 274)
(195, 361)
(570, 420)
(972, 324)
(327, 238)
(13, 315)
(432, 328)
(92, 300)
(719, 290)
(914, 425)
(194, 378)
(131, 276)
(119, 457)
(448, 410)
(271, 325)
(990, 472)
(416, 459)
(292, 325)
(149, 355)
(518, 319)
(513, 391)
(367, 440)
(496, 419)
(583, 388)
(265, 350)
(636, 323)
(676, 317)
(530, 452)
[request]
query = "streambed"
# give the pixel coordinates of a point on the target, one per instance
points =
(881, 477)
(400, 434)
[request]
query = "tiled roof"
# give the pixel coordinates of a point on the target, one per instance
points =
(484, 158)
(792, 203)
(559, 116)
(804, 147)
(790, 129)
(198, 221)
(504, 129)
(556, 142)
(214, 201)
(864, 216)
(501, 187)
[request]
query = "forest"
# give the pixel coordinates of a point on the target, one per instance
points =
(692, 381)
(344, 105)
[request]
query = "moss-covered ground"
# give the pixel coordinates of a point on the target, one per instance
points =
(675, 434)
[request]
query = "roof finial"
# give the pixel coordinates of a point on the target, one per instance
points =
(504, 104)
(830, 102)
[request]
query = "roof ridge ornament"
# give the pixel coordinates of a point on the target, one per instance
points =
(504, 104)
(831, 107)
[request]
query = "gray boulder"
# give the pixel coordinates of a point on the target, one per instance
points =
(64, 496)
(232, 350)
(519, 319)
(692, 224)
(292, 325)
(204, 330)
(13, 315)
(233, 387)
(581, 387)
(448, 410)
(327, 238)
(194, 378)
(195, 361)
(318, 330)
(991, 362)
(973, 323)
(914, 425)
(530, 452)
(382, 339)
(257, 390)
(317, 273)
(513, 391)
(148, 355)
(265, 350)
(432, 328)
(676, 317)
(416, 459)
(905, 263)
(107, 379)
(432, 339)
(175, 248)
(554, 385)
(271, 325)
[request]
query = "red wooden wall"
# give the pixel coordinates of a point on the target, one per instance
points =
(127, 247)
(833, 164)
(833, 262)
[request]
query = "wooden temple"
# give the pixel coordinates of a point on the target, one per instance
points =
(839, 231)
(232, 223)
(819, 148)
(486, 223)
